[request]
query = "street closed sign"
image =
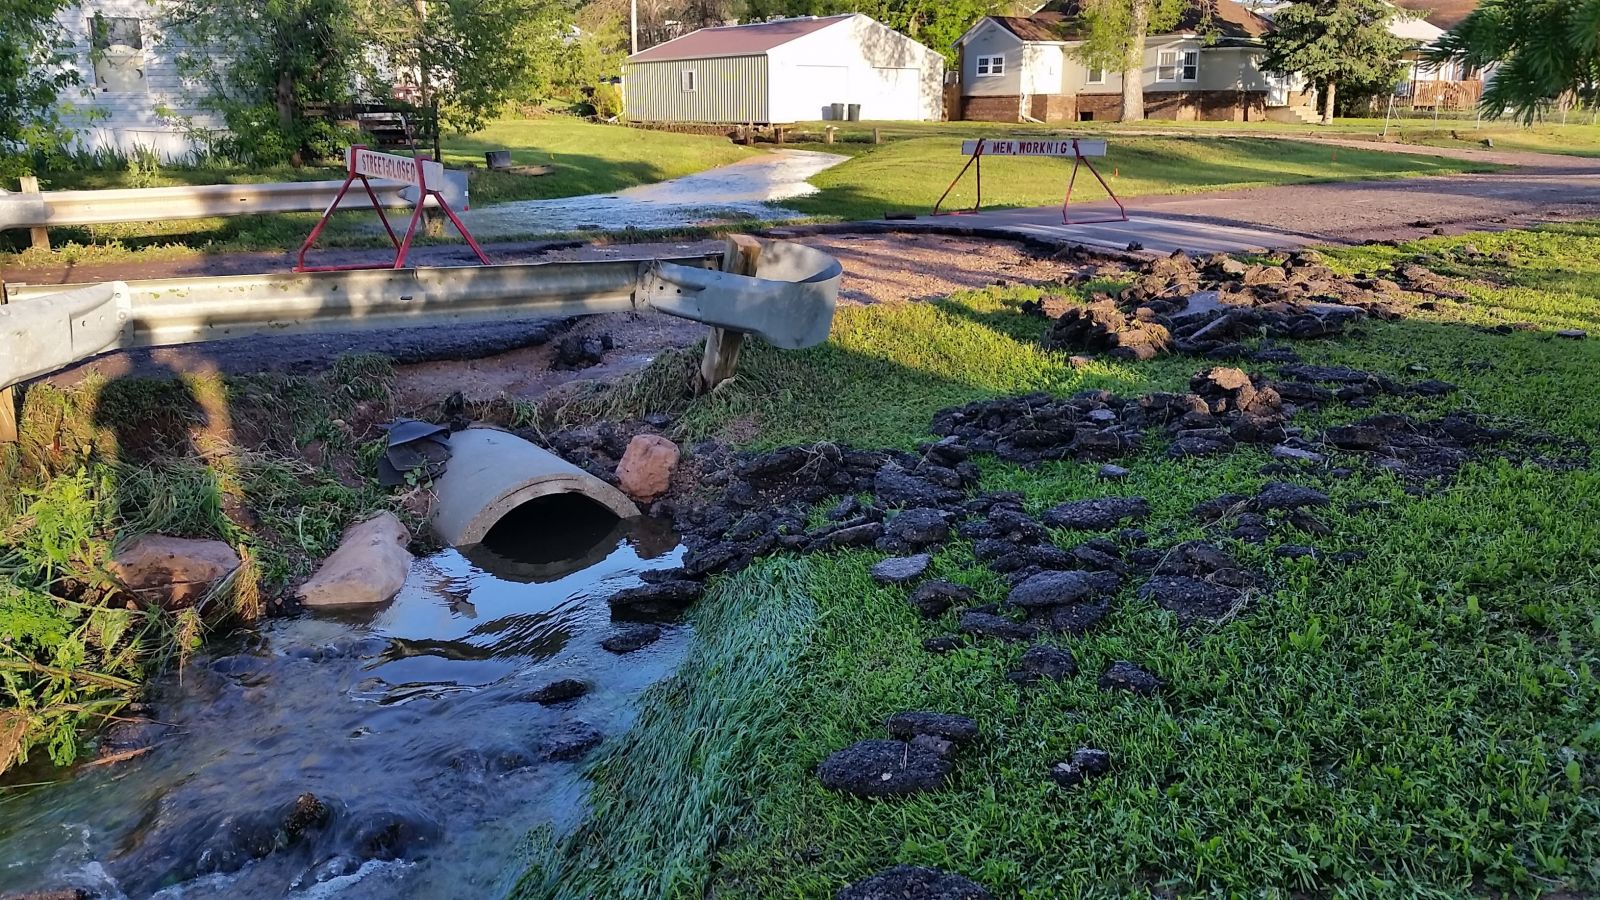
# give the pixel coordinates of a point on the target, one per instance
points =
(398, 168)
(1041, 147)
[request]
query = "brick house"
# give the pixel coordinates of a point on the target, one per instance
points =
(1025, 68)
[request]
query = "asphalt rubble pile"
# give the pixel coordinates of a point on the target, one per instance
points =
(1209, 307)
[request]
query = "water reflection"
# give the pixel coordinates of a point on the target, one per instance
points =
(405, 727)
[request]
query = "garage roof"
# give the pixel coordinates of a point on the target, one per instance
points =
(736, 40)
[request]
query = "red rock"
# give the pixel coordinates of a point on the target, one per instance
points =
(646, 467)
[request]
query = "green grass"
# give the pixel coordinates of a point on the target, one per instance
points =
(191, 456)
(587, 158)
(1422, 723)
(1580, 137)
(909, 175)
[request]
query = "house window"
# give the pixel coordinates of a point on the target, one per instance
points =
(1096, 76)
(691, 81)
(991, 65)
(116, 47)
(1173, 65)
(1167, 66)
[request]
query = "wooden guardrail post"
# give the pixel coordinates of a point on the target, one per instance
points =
(8, 397)
(39, 233)
(740, 257)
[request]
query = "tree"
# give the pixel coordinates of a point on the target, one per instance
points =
(1542, 49)
(273, 68)
(1114, 35)
(279, 69)
(469, 57)
(936, 23)
(1337, 44)
(34, 72)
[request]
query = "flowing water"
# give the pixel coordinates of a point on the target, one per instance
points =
(409, 725)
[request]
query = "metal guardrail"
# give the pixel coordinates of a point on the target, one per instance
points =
(52, 209)
(789, 303)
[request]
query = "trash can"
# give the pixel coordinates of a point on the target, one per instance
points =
(497, 159)
(836, 111)
(854, 112)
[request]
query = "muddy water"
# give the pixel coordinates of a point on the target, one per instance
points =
(409, 725)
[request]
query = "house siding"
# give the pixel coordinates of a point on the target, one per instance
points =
(146, 119)
(1050, 82)
(859, 60)
(729, 89)
(991, 40)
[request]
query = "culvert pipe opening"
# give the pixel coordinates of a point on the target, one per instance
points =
(495, 477)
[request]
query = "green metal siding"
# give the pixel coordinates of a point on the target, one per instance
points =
(731, 89)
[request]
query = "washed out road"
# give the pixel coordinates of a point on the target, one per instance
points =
(888, 268)
(1547, 189)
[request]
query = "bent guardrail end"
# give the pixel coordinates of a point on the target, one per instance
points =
(39, 336)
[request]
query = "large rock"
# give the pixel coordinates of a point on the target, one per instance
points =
(646, 467)
(914, 883)
(172, 572)
(369, 567)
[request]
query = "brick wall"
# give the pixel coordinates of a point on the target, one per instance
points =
(1053, 107)
(991, 109)
(1103, 107)
(1207, 106)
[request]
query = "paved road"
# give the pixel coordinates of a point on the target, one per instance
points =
(1300, 215)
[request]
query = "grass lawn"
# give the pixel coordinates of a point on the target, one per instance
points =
(587, 158)
(1424, 722)
(908, 174)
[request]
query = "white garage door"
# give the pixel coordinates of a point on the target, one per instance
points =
(898, 95)
(816, 87)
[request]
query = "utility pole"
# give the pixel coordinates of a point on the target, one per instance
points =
(633, 27)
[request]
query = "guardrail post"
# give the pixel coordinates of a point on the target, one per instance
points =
(8, 396)
(40, 234)
(740, 257)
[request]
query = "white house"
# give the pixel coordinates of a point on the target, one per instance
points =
(1208, 67)
(788, 70)
(130, 94)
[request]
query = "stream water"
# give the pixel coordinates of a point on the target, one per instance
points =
(409, 725)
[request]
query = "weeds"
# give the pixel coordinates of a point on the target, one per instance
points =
(195, 456)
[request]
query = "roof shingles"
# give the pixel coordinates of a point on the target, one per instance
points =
(1055, 22)
(735, 40)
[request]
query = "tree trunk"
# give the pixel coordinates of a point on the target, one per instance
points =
(1133, 63)
(283, 99)
(1327, 109)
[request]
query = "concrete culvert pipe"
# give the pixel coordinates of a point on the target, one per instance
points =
(491, 473)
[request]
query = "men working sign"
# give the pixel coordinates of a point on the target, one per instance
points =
(426, 175)
(1079, 149)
